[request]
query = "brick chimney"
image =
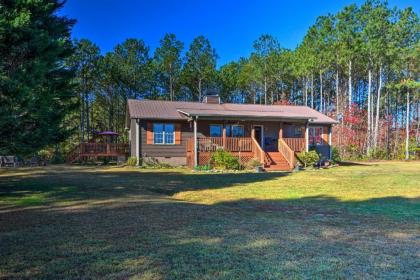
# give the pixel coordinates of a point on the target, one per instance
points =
(211, 97)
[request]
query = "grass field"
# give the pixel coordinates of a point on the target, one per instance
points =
(354, 221)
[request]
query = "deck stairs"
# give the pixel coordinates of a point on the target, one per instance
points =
(73, 155)
(276, 162)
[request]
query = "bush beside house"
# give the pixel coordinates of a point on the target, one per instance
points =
(222, 159)
(308, 158)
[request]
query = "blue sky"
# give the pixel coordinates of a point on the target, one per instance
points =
(231, 26)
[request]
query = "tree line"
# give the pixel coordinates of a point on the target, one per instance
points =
(360, 66)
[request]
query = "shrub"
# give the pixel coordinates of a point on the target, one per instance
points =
(152, 162)
(353, 152)
(132, 161)
(45, 154)
(335, 157)
(253, 163)
(57, 157)
(308, 158)
(378, 154)
(206, 167)
(413, 149)
(224, 160)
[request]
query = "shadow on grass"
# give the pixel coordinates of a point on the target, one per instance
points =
(393, 208)
(156, 237)
(312, 237)
(352, 163)
(61, 185)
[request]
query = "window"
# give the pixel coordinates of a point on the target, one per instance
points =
(169, 134)
(163, 133)
(215, 130)
(238, 130)
(298, 132)
(158, 133)
(315, 136)
(228, 131)
(235, 130)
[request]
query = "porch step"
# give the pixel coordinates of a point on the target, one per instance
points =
(279, 163)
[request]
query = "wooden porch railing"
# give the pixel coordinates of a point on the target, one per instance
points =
(104, 148)
(257, 151)
(231, 144)
(296, 144)
(287, 152)
(241, 144)
(97, 149)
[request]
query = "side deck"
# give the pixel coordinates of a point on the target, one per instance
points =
(85, 151)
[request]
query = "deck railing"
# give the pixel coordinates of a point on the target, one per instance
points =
(244, 144)
(96, 150)
(296, 144)
(287, 152)
(257, 151)
(104, 148)
(232, 144)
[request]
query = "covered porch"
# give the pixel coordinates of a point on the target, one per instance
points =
(251, 140)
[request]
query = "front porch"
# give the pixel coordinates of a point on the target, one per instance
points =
(245, 148)
(273, 144)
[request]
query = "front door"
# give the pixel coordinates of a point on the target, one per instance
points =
(259, 135)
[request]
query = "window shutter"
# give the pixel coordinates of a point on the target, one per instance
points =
(177, 134)
(149, 133)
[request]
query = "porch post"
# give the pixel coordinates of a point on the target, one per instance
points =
(330, 140)
(137, 142)
(224, 137)
(195, 143)
(281, 130)
(306, 136)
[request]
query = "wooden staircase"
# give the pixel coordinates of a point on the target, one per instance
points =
(277, 162)
(73, 155)
(281, 160)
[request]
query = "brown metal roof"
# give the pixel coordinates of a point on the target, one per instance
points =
(177, 110)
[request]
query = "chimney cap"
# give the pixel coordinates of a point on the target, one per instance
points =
(211, 96)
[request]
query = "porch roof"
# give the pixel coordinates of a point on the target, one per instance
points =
(175, 110)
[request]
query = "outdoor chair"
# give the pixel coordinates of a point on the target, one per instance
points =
(34, 161)
(9, 161)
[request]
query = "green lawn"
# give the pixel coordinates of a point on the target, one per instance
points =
(354, 221)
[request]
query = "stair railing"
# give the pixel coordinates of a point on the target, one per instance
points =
(287, 153)
(259, 152)
(73, 154)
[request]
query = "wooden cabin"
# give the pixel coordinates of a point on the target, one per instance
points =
(187, 133)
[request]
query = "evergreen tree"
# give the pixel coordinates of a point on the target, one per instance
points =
(200, 67)
(169, 63)
(36, 90)
(85, 62)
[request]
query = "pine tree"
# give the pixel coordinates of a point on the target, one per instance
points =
(36, 90)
